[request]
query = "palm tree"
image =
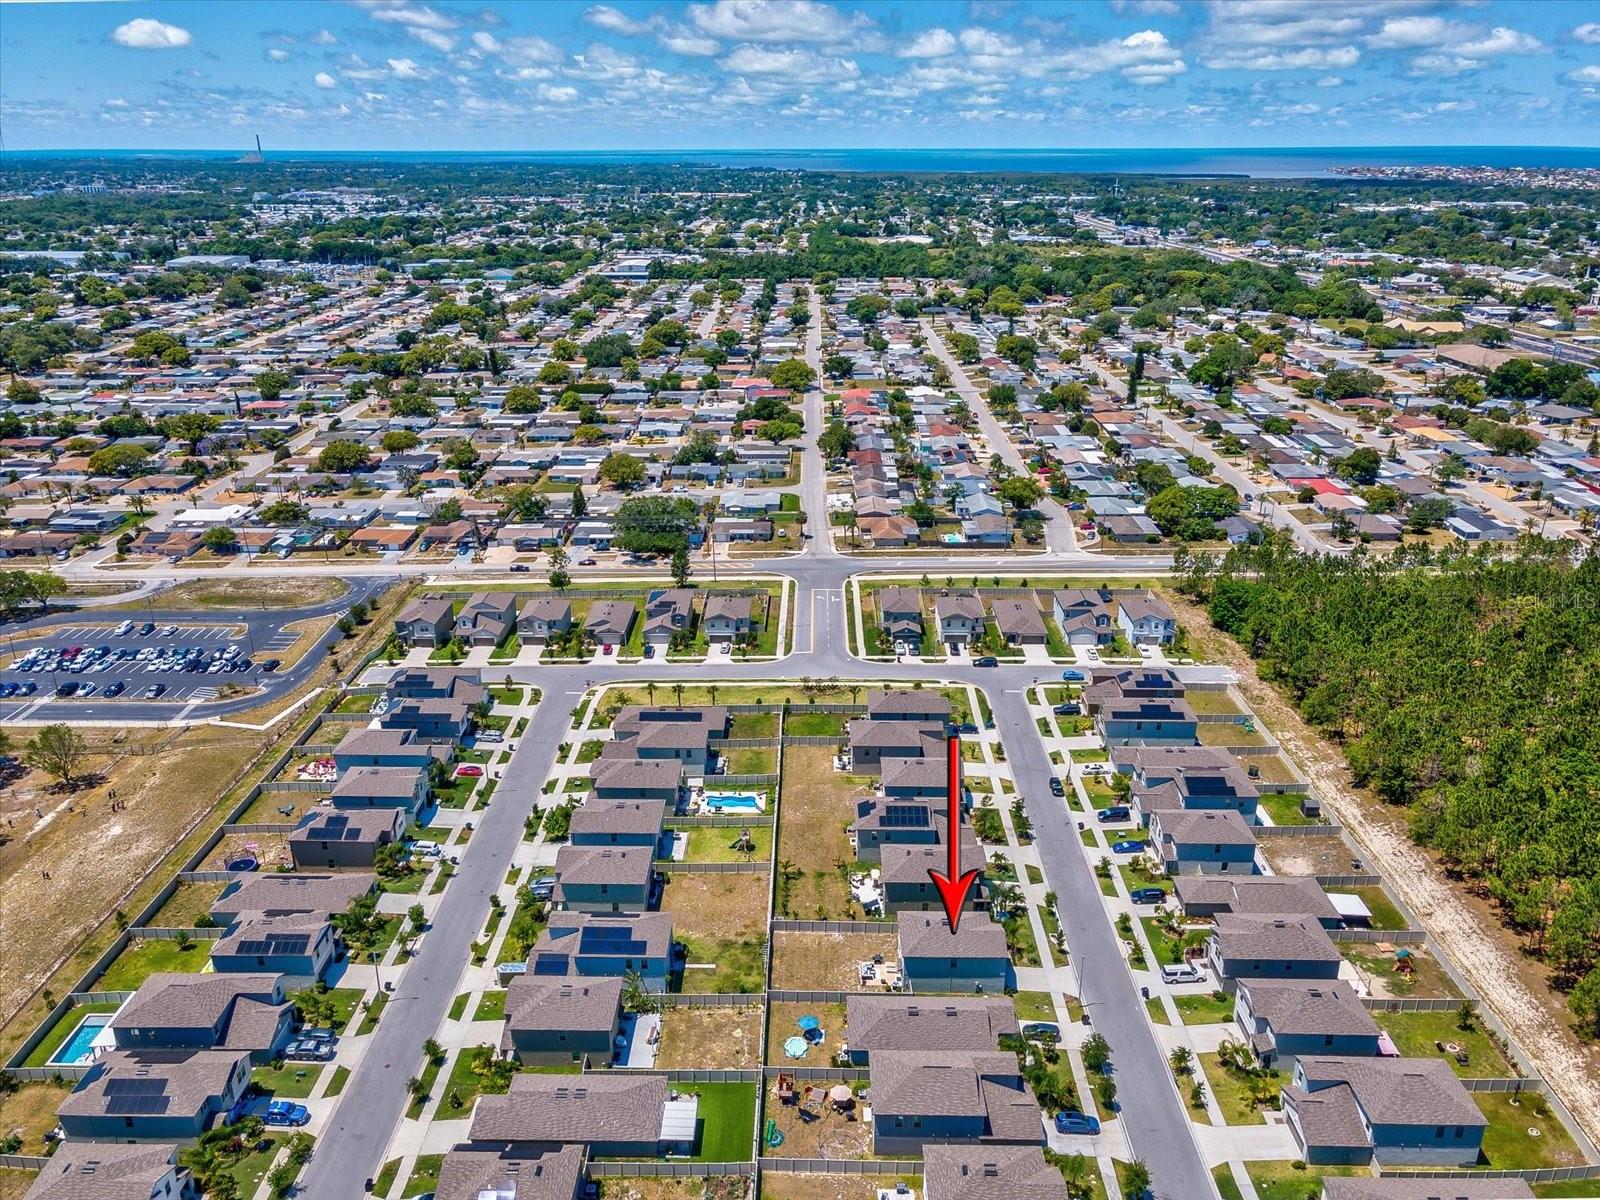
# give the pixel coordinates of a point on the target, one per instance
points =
(677, 692)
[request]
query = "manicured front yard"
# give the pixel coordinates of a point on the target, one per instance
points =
(1208, 1008)
(291, 1081)
(1232, 1091)
(424, 1175)
(1293, 1180)
(1033, 1006)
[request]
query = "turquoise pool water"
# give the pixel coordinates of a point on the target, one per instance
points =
(78, 1048)
(733, 801)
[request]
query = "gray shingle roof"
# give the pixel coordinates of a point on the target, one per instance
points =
(618, 816)
(994, 1172)
(573, 1108)
(619, 866)
(1397, 1091)
(1286, 895)
(1302, 1007)
(103, 1171)
(928, 935)
(876, 1023)
(520, 1173)
(296, 892)
(1298, 939)
(188, 1079)
(537, 1003)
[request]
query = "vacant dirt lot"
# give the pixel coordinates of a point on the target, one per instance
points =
(781, 1185)
(64, 868)
(714, 1038)
(1466, 927)
(813, 811)
(826, 962)
(731, 906)
(276, 592)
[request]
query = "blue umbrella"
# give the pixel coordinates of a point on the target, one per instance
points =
(808, 1023)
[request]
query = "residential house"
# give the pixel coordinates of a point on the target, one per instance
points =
(624, 778)
(1243, 948)
(426, 621)
(346, 838)
(591, 945)
(609, 622)
(1205, 841)
(1019, 621)
(1084, 616)
(98, 1171)
(667, 613)
(1166, 778)
(681, 734)
(1281, 1020)
(1419, 1187)
(298, 946)
(1142, 721)
(1146, 620)
(446, 720)
(930, 1096)
(154, 1095)
(486, 618)
(1208, 896)
(874, 743)
(935, 958)
(242, 1013)
(388, 748)
(960, 617)
(882, 822)
(908, 704)
(617, 823)
(989, 1172)
(438, 683)
(900, 615)
(604, 878)
(613, 1115)
(543, 618)
(727, 617)
(280, 894)
(550, 1021)
(1410, 1111)
(875, 1024)
(517, 1171)
(401, 789)
(904, 878)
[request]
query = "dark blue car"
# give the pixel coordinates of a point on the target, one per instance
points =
(1076, 1122)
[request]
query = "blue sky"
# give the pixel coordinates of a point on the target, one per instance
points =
(569, 74)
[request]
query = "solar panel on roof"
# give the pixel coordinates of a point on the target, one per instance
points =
(550, 964)
(905, 816)
(609, 939)
(276, 943)
(126, 1086)
(136, 1106)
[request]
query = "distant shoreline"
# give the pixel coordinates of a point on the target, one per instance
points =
(1263, 162)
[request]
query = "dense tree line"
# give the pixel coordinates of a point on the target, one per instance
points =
(1464, 687)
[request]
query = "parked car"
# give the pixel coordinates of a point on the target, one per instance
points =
(1148, 895)
(1076, 1122)
(469, 771)
(286, 1112)
(519, 568)
(1182, 973)
(1055, 787)
(155, 690)
(1073, 676)
(147, 629)
(987, 660)
(587, 562)
(270, 665)
(115, 688)
(123, 629)
(1066, 710)
(1117, 812)
(1128, 846)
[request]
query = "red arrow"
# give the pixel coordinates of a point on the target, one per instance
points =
(954, 887)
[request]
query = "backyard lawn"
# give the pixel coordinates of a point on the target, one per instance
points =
(1416, 1033)
(142, 959)
(30, 1112)
(815, 806)
(814, 724)
(785, 1185)
(727, 1121)
(187, 905)
(62, 1030)
(782, 1023)
(715, 843)
(1509, 1144)
(1423, 976)
(1293, 1180)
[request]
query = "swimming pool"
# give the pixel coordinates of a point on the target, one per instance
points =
(734, 802)
(79, 1048)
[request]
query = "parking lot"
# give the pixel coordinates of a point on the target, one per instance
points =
(146, 660)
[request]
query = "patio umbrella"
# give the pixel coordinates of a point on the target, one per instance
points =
(841, 1095)
(808, 1023)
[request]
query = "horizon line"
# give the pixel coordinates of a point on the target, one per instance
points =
(807, 149)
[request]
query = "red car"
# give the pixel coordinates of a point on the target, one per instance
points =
(468, 771)
(606, 649)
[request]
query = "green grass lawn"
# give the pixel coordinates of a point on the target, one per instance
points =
(1019, 938)
(1227, 1187)
(814, 724)
(1284, 808)
(714, 843)
(1231, 1091)
(1166, 949)
(250, 1170)
(142, 959)
(753, 725)
(492, 1007)
(1385, 914)
(1415, 1033)
(292, 1081)
(1205, 1009)
(424, 1175)
(727, 1122)
(1135, 875)
(508, 695)
(369, 1020)
(1507, 1144)
(1586, 1189)
(385, 1177)
(1293, 1180)
(465, 1084)
(739, 965)
(428, 1072)
(1033, 1006)
(336, 1081)
(1157, 1011)
(62, 1029)
(459, 1006)
(752, 760)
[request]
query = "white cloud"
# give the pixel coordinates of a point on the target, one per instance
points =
(116, 102)
(518, 50)
(323, 38)
(323, 80)
(442, 42)
(780, 21)
(1404, 32)
(1588, 33)
(557, 95)
(413, 16)
(1263, 59)
(277, 55)
(930, 43)
(144, 33)
(688, 43)
(1589, 74)
(1330, 81)
(1162, 8)
(405, 68)
(1146, 57)
(986, 43)
(796, 64)
(615, 20)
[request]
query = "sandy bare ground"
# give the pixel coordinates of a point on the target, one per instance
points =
(1468, 930)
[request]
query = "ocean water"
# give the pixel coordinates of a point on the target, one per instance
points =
(1262, 162)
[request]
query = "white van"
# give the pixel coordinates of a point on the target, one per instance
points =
(1182, 973)
(425, 849)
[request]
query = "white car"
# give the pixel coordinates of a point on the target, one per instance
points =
(1182, 973)
(125, 628)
